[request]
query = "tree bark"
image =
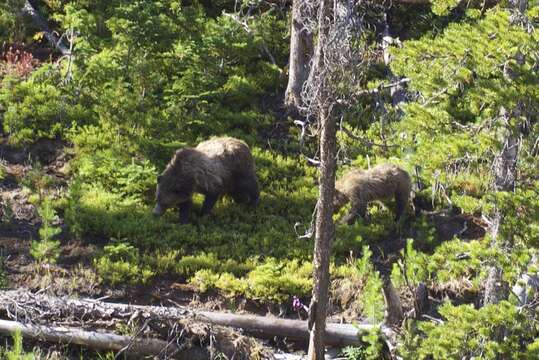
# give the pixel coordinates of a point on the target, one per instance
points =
(301, 51)
(393, 313)
(505, 173)
(527, 284)
(505, 166)
(325, 231)
(397, 92)
(505, 169)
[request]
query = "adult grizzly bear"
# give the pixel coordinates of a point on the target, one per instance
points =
(215, 167)
(363, 186)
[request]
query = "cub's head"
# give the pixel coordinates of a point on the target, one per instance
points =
(339, 200)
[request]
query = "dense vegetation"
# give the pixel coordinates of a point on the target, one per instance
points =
(147, 77)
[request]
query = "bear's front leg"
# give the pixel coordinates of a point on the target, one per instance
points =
(355, 212)
(184, 210)
(350, 218)
(209, 202)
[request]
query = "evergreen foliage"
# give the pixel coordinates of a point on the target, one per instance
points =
(17, 352)
(47, 249)
(148, 77)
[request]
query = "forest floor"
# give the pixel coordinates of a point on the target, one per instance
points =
(74, 273)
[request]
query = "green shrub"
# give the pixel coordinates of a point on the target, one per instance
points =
(46, 249)
(362, 271)
(276, 281)
(121, 264)
(270, 281)
(39, 107)
(17, 352)
(475, 332)
(11, 20)
(412, 267)
(372, 349)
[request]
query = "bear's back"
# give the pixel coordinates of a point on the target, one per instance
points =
(388, 179)
(234, 154)
(382, 181)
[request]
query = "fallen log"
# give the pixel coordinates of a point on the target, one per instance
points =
(101, 341)
(335, 334)
(22, 304)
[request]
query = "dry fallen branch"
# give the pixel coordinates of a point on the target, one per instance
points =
(100, 341)
(25, 306)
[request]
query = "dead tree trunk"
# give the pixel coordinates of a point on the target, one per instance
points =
(393, 309)
(505, 173)
(22, 304)
(324, 226)
(393, 313)
(527, 285)
(52, 38)
(100, 341)
(505, 166)
(325, 231)
(301, 50)
(397, 92)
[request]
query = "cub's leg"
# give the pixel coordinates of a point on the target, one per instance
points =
(357, 210)
(401, 200)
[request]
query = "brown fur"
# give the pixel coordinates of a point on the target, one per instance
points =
(214, 168)
(359, 187)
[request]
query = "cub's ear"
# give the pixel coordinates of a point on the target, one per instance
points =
(159, 177)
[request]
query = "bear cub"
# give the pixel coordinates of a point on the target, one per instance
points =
(382, 182)
(216, 167)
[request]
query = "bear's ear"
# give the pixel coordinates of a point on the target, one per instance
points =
(159, 177)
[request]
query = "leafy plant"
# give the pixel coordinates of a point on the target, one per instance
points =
(371, 351)
(46, 249)
(17, 352)
(121, 263)
(474, 332)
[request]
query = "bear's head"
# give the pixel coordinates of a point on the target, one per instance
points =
(173, 188)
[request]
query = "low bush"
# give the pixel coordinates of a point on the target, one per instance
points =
(474, 333)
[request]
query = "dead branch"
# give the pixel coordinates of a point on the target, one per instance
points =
(52, 38)
(249, 31)
(23, 305)
(97, 340)
(366, 142)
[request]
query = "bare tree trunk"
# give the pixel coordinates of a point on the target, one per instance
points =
(505, 173)
(393, 312)
(301, 50)
(397, 92)
(100, 341)
(528, 283)
(50, 35)
(325, 231)
(505, 166)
